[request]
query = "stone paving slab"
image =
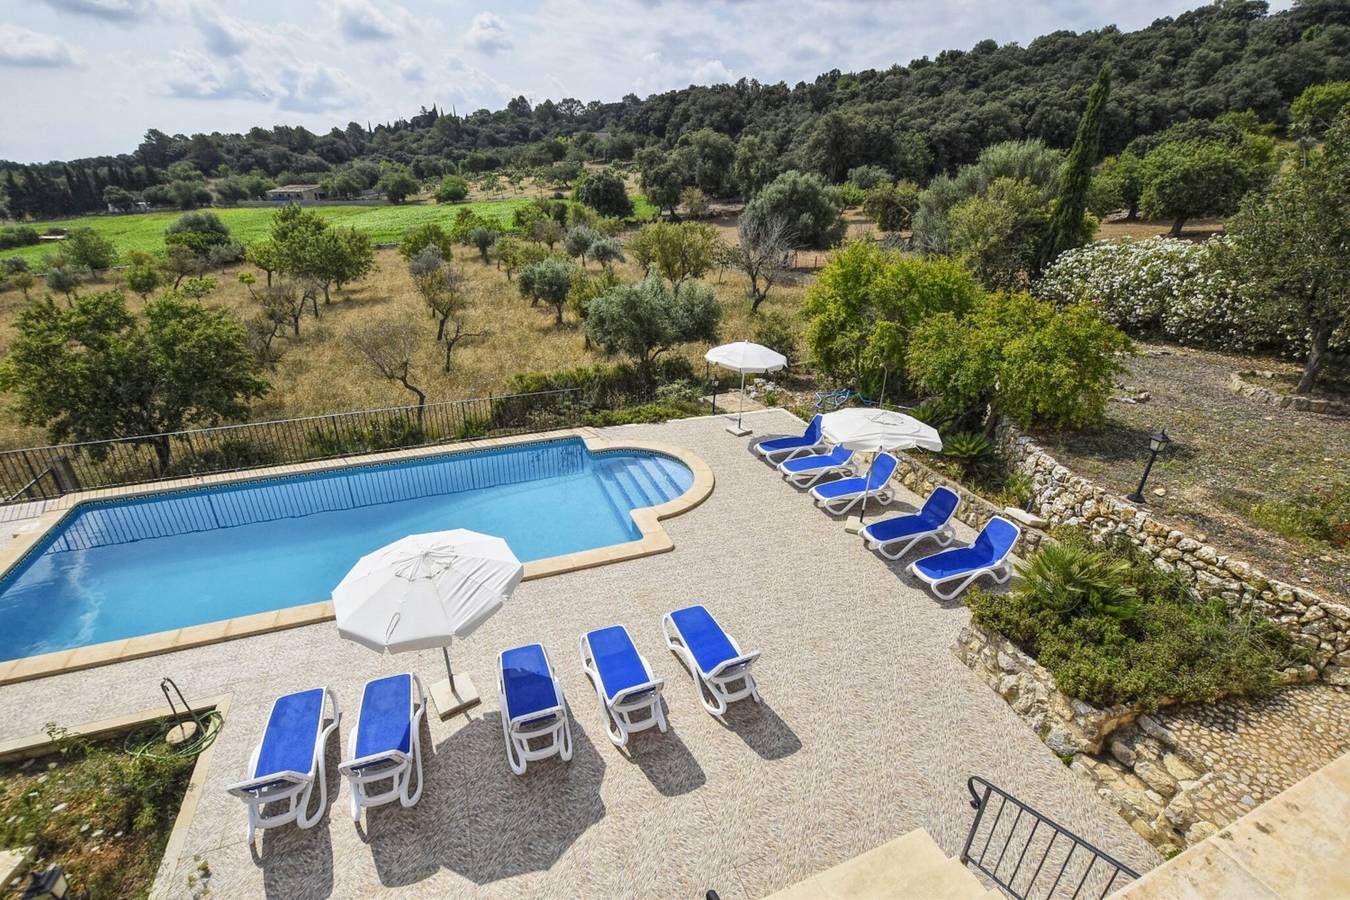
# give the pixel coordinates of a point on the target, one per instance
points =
(869, 726)
(1257, 748)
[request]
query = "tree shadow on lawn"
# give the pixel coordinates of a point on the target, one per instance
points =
(1115, 442)
(478, 819)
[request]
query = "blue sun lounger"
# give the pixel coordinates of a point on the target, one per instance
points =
(386, 743)
(809, 441)
(892, 538)
(534, 714)
(721, 671)
(805, 471)
(623, 682)
(289, 761)
(987, 556)
(840, 496)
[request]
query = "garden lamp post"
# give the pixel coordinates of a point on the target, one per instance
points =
(1156, 443)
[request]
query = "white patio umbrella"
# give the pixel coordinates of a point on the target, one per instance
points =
(746, 358)
(424, 590)
(872, 430)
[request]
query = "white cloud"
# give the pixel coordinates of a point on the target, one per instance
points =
(195, 76)
(411, 67)
(315, 87)
(712, 71)
(23, 47)
(108, 10)
(224, 35)
(361, 20)
(488, 33)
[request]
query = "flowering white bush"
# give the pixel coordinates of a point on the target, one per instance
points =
(1163, 287)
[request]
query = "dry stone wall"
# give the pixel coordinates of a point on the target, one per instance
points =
(1063, 498)
(1156, 782)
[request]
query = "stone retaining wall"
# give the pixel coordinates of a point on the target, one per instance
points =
(1238, 384)
(1156, 783)
(974, 510)
(1061, 497)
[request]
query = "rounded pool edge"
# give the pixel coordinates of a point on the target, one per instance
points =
(654, 540)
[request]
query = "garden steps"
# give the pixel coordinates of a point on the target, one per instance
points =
(909, 866)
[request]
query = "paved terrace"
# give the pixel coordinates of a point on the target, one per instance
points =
(868, 730)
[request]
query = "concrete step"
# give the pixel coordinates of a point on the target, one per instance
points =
(911, 866)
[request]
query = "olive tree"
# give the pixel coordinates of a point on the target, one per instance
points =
(547, 280)
(806, 204)
(177, 365)
(1290, 244)
(646, 319)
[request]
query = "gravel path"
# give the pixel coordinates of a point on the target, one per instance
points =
(1227, 452)
(869, 728)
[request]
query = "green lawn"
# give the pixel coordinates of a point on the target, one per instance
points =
(145, 231)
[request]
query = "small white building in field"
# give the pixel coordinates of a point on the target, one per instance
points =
(295, 193)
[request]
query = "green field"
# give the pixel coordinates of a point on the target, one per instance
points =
(145, 231)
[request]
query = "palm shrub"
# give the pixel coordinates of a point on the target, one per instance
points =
(968, 449)
(1113, 628)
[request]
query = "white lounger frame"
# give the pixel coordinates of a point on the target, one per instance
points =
(729, 682)
(883, 495)
(551, 723)
(943, 535)
(393, 766)
(293, 788)
(791, 452)
(620, 711)
(1000, 571)
(806, 479)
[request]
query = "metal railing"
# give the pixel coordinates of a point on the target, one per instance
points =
(1033, 856)
(44, 473)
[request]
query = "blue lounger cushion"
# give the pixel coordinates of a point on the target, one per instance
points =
(704, 637)
(616, 659)
(386, 717)
(528, 681)
(937, 509)
(809, 438)
(288, 742)
(875, 479)
(993, 544)
(836, 457)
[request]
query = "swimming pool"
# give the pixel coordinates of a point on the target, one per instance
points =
(122, 568)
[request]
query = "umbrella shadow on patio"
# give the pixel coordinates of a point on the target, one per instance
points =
(762, 729)
(479, 820)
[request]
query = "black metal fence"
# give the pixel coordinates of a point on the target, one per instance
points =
(42, 473)
(1030, 856)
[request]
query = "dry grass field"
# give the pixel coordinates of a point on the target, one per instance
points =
(318, 372)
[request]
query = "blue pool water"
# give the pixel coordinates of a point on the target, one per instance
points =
(118, 569)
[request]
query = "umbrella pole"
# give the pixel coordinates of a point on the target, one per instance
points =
(741, 410)
(449, 671)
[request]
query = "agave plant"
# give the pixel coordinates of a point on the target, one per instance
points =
(969, 449)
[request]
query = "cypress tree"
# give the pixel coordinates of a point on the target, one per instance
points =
(1066, 219)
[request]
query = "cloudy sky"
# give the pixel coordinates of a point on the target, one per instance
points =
(88, 77)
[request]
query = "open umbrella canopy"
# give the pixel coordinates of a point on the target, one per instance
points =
(425, 589)
(870, 430)
(743, 356)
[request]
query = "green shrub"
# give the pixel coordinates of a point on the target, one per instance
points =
(633, 415)
(1113, 628)
(611, 386)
